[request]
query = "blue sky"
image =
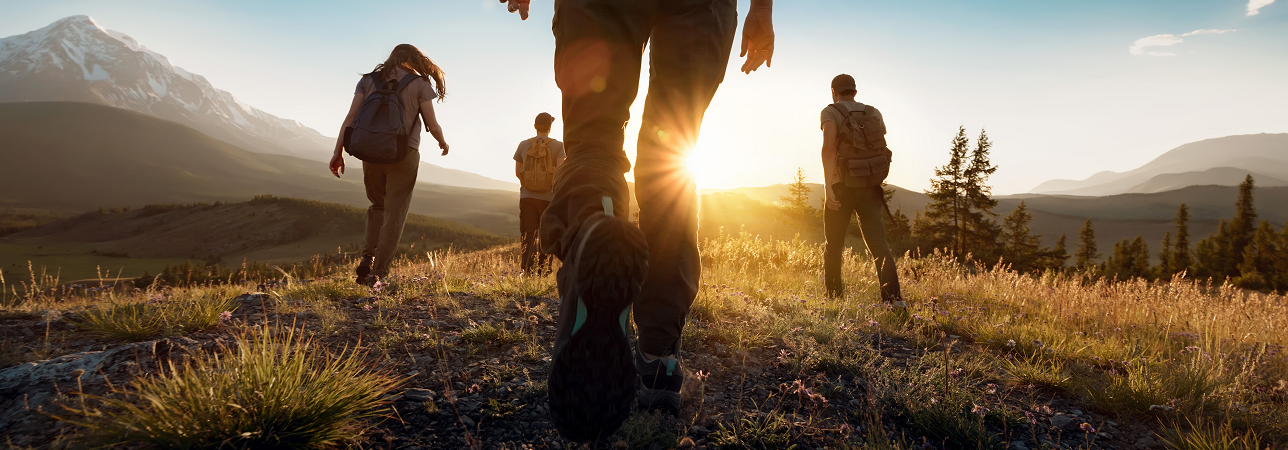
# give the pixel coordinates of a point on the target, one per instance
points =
(1056, 84)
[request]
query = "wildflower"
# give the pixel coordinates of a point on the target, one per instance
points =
(474, 388)
(992, 388)
(955, 373)
(378, 286)
(366, 307)
(978, 410)
(874, 323)
(226, 316)
(933, 400)
(1032, 419)
(1046, 409)
(1010, 342)
(1087, 428)
(845, 429)
(701, 376)
(796, 329)
(1037, 343)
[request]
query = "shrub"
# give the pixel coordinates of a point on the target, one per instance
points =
(274, 390)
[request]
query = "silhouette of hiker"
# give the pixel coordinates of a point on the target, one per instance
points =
(389, 184)
(534, 163)
(855, 162)
(609, 263)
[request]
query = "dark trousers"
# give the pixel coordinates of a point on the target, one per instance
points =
(389, 188)
(869, 204)
(598, 49)
(530, 211)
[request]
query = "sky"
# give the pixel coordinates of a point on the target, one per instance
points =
(1064, 89)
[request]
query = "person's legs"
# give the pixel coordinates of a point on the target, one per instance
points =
(835, 224)
(870, 205)
(690, 47)
(373, 178)
(530, 210)
(598, 47)
(400, 180)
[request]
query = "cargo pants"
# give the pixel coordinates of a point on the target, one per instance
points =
(599, 45)
(389, 188)
(869, 204)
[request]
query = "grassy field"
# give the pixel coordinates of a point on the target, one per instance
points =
(984, 358)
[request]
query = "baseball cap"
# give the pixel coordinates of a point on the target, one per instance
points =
(545, 119)
(843, 83)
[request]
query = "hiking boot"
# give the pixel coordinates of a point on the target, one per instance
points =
(364, 268)
(660, 382)
(592, 382)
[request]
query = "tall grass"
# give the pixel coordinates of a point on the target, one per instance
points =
(275, 389)
(159, 316)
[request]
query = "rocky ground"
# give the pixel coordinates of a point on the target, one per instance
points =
(475, 378)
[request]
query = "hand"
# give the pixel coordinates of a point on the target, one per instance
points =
(337, 165)
(758, 39)
(832, 203)
(516, 5)
(444, 146)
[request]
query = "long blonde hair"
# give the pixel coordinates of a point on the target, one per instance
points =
(408, 56)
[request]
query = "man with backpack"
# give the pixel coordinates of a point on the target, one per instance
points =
(856, 161)
(534, 163)
(609, 263)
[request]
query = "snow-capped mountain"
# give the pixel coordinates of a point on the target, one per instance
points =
(75, 59)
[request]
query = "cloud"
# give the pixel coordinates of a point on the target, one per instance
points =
(1207, 31)
(1254, 6)
(1161, 40)
(1140, 47)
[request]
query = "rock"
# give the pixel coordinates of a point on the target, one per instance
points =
(1106, 436)
(719, 396)
(1146, 442)
(699, 431)
(252, 299)
(1018, 445)
(467, 421)
(420, 395)
(1076, 412)
(1064, 422)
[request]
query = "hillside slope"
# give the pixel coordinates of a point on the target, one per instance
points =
(80, 156)
(1264, 154)
(265, 229)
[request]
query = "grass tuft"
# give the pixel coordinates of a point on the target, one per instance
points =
(158, 317)
(274, 390)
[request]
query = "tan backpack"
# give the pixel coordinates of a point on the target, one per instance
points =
(538, 174)
(861, 152)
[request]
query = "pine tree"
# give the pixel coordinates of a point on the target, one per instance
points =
(1258, 270)
(1221, 254)
(798, 199)
(1023, 249)
(942, 223)
(1180, 261)
(1129, 260)
(1087, 254)
(899, 232)
(1164, 270)
(981, 230)
(1055, 259)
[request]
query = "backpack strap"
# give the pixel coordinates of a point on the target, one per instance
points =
(406, 80)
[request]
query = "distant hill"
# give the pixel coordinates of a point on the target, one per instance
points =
(905, 200)
(80, 156)
(1265, 155)
(76, 59)
(265, 229)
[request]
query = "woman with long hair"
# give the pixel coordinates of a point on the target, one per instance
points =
(389, 185)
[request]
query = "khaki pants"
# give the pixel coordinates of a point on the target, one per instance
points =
(869, 204)
(389, 189)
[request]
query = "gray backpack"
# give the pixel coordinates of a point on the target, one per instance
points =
(379, 132)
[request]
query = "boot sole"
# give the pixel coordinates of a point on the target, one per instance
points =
(592, 376)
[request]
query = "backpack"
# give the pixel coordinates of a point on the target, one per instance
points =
(379, 132)
(538, 174)
(861, 152)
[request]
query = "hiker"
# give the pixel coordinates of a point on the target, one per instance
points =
(856, 161)
(534, 163)
(383, 130)
(610, 264)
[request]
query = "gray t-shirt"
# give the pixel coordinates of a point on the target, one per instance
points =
(412, 96)
(556, 148)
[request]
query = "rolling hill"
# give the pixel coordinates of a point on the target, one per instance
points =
(1220, 161)
(75, 59)
(79, 156)
(264, 229)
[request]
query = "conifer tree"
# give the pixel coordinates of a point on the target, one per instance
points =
(1219, 256)
(1259, 269)
(1022, 249)
(1129, 260)
(1180, 260)
(1164, 270)
(1055, 259)
(942, 223)
(981, 230)
(799, 193)
(1087, 254)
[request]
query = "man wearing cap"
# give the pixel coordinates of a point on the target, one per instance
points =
(844, 199)
(535, 197)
